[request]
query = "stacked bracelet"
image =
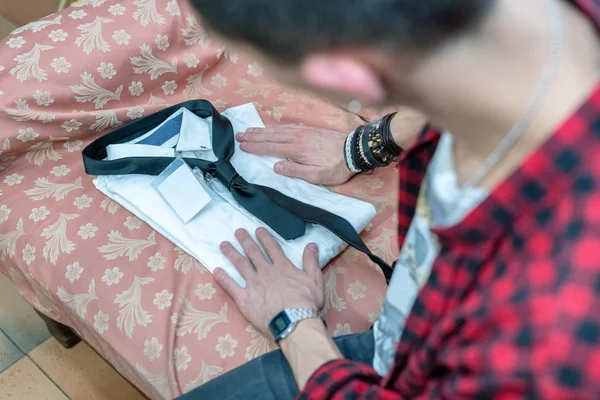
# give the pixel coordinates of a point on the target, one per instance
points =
(382, 143)
(349, 159)
(366, 149)
(371, 146)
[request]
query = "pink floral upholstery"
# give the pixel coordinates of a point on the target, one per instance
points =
(147, 307)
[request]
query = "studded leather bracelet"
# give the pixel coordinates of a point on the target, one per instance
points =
(372, 146)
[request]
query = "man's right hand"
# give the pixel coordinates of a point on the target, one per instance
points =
(315, 154)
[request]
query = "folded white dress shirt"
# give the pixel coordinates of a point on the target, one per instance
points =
(201, 236)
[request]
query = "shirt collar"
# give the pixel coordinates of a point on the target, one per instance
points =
(183, 132)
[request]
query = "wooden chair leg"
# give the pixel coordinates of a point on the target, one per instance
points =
(65, 335)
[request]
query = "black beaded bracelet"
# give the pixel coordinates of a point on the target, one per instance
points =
(372, 146)
(358, 150)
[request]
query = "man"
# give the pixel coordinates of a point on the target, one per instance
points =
(510, 307)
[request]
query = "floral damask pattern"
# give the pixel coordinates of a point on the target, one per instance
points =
(149, 308)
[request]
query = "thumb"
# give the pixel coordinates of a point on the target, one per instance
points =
(309, 173)
(310, 259)
(229, 285)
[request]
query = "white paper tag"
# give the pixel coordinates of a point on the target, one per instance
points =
(182, 190)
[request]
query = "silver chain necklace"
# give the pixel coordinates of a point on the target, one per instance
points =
(540, 93)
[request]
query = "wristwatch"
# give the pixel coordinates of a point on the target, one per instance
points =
(285, 322)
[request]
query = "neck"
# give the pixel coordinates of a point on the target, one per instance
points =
(478, 87)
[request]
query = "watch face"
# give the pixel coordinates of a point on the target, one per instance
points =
(279, 324)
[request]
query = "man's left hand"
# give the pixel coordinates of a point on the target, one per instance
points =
(271, 285)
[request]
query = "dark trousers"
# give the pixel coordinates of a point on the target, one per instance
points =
(270, 377)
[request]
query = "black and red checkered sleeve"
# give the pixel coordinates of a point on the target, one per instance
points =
(411, 172)
(344, 379)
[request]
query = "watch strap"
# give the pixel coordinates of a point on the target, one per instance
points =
(298, 314)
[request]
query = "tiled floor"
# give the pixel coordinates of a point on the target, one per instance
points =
(34, 366)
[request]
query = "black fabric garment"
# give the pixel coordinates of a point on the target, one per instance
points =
(285, 215)
(269, 377)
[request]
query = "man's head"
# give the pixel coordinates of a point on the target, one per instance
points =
(348, 47)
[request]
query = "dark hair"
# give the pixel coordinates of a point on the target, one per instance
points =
(290, 29)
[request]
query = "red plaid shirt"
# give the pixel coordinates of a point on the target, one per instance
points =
(512, 306)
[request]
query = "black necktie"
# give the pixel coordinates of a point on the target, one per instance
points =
(283, 214)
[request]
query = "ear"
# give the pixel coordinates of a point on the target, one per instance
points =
(344, 74)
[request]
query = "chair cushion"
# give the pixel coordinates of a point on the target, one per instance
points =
(149, 308)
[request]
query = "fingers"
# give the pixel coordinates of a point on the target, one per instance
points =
(261, 137)
(310, 259)
(229, 285)
(251, 248)
(283, 150)
(271, 246)
(241, 263)
(309, 173)
(276, 134)
(278, 141)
